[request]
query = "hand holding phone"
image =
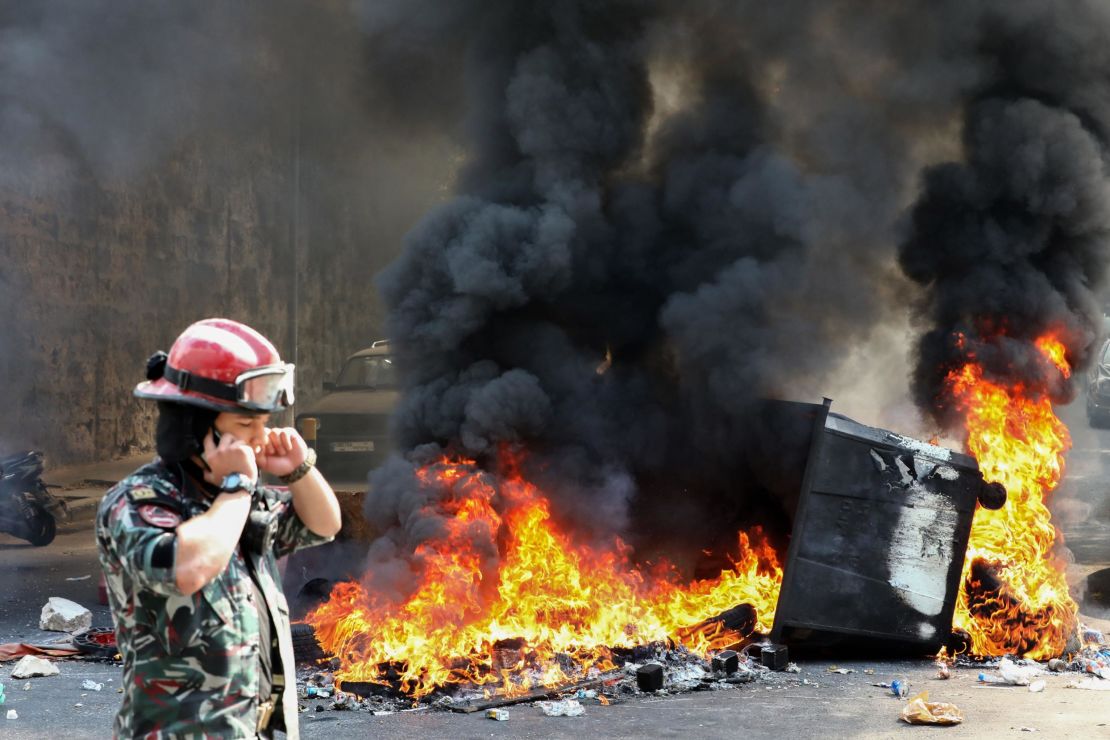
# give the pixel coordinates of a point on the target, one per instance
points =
(224, 455)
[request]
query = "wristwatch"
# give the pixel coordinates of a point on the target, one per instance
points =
(237, 482)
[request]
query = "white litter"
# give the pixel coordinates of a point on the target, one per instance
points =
(564, 708)
(79, 578)
(30, 666)
(90, 685)
(1093, 684)
(1017, 675)
(1036, 687)
(12, 714)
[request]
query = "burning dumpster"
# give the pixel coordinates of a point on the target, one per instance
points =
(880, 526)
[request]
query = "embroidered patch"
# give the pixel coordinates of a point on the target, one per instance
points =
(159, 516)
(142, 493)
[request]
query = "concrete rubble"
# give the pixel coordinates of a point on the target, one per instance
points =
(63, 615)
(30, 666)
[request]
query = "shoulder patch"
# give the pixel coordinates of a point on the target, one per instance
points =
(142, 493)
(159, 516)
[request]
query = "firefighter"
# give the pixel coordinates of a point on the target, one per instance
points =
(189, 543)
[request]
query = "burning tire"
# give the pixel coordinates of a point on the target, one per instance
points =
(99, 642)
(306, 649)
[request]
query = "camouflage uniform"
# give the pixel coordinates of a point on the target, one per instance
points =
(191, 663)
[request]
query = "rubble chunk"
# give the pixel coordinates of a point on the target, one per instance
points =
(566, 707)
(775, 657)
(649, 677)
(63, 615)
(30, 666)
(726, 661)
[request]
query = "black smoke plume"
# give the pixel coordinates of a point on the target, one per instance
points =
(709, 194)
(1012, 240)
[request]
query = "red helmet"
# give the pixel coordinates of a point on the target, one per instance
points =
(222, 365)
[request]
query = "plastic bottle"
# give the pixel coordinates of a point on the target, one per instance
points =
(987, 678)
(900, 687)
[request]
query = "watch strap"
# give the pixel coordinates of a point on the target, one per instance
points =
(301, 470)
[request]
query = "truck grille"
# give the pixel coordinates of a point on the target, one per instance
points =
(351, 425)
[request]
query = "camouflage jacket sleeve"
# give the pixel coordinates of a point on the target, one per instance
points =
(292, 534)
(136, 527)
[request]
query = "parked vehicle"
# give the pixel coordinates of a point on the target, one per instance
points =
(1098, 387)
(27, 508)
(350, 423)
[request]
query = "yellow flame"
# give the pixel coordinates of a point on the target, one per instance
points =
(1014, 597)
(562, 607)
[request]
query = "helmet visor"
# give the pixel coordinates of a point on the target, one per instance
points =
(266, 388)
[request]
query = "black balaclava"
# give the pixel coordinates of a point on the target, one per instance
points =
(181, 431)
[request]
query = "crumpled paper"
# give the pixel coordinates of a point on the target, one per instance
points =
(920, 711)
(564, 708)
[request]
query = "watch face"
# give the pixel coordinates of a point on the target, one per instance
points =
(234, 482)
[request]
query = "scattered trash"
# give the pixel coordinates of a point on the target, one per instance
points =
(1092, 684)
(688, 677)
(12, 714)
(63, 615)
(27, 686)
(501, 715)
(1091, 636)
(943, 671)
(90, 685)
(869, 671)
(793, 668)
(1018, 675)
(586, 694)
(920, 711)
(1056, 665)
(1036, 687)
(564, 708)
(2, 698)
(79, 578)
(1011, 674)
(30, 666)
(78, 704)
(1094, 661)
(841, 671)
(900, 687)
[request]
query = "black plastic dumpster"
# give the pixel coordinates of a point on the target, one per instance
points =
(880, 528)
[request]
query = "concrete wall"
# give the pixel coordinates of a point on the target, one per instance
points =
(95, 277)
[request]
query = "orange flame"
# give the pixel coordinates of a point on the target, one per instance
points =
(1014, 597)
(550, 612)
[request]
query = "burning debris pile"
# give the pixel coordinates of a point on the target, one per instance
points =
(666, 214)
(554, 610)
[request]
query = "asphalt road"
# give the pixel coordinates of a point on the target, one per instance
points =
(829, 705)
